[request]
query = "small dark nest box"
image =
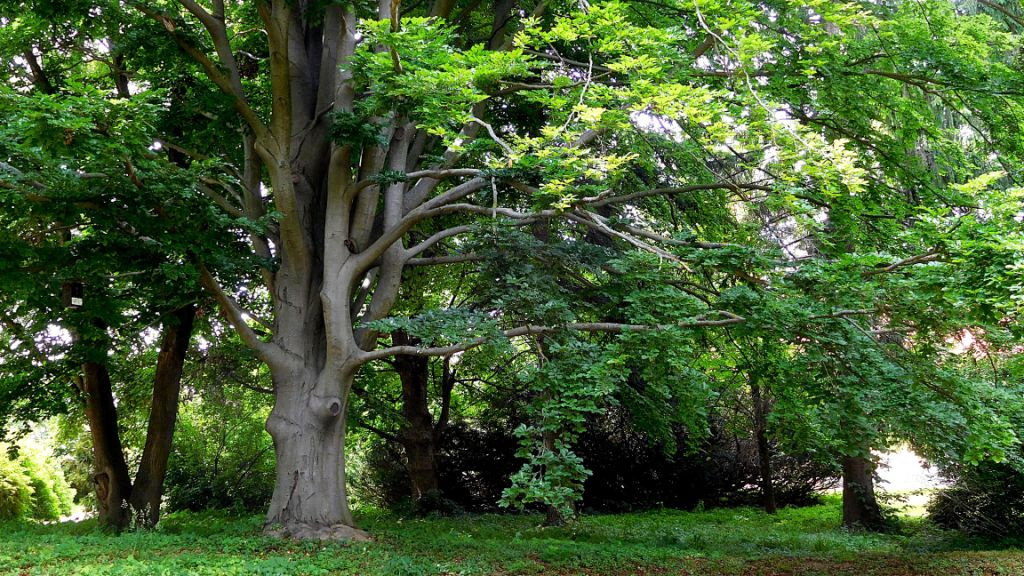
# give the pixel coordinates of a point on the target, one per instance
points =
(73, 294)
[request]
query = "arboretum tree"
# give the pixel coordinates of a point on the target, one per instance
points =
(91, 213)
(692, 166)
(76, 289)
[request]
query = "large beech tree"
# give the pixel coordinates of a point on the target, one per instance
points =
(369, 120)
(732, 154)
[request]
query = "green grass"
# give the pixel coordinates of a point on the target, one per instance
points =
(738, 542)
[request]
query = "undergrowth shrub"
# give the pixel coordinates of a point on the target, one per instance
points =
(474, 467)
(376, 473)
(222, 456)
(51, 495)
(631, 471)
(32, 486)
(983, 500)
(15, 488)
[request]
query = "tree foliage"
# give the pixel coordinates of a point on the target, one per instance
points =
(803, 206)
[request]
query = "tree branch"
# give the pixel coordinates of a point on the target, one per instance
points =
(844, 314)
(235, 315)
(447, 259)
(1019, 21)
(602, 200)
(599, 223)
(21, 334)
(222, 201)
(929, 256)
(424, 245)
(433, 174)
(385, 435)
(728, 319)
(367, 257)
(224, 83)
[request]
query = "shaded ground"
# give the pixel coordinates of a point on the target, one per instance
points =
(741, 542)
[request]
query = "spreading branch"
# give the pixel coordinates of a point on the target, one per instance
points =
(726, 319)
(429, 242)
(604, 200)
(236, 315)
(213, 72)
(447, 259)
(599, 223)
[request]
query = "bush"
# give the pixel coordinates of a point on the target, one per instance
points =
(630, 471)
(15, 488)
(983, 500)
(376, 473)
(474, 467)
(32, 486)
(51, 495)
(222, 457)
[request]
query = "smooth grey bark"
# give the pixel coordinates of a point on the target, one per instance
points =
(309, 494)
(339, 243)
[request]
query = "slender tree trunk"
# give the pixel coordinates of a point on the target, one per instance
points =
(149, 480)
(553, 516)
(764, 452)
(115, 494)
(419, 435)
(860, 509)
(110, 471)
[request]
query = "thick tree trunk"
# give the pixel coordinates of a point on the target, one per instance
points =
(764, 452)
(149, 480)
(310, 499)
(860, 509)
(110, 474)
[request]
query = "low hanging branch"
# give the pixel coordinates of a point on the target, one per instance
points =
(727, 319)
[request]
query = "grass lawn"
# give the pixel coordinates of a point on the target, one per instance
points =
(717, 542)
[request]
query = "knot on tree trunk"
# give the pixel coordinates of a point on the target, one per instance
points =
(326, 407)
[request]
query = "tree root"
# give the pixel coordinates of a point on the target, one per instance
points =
(301, 531)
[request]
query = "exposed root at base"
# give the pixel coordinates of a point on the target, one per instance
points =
(334, 533)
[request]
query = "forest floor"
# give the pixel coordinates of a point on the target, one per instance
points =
(737, 541)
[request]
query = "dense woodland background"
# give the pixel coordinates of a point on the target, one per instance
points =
(472, 256)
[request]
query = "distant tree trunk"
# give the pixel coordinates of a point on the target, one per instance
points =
(110, 475)
(149, 480)
(553, 516)
(541, 230)
(860, 509)
(417, 432)
(420, 436)
(764, 452)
